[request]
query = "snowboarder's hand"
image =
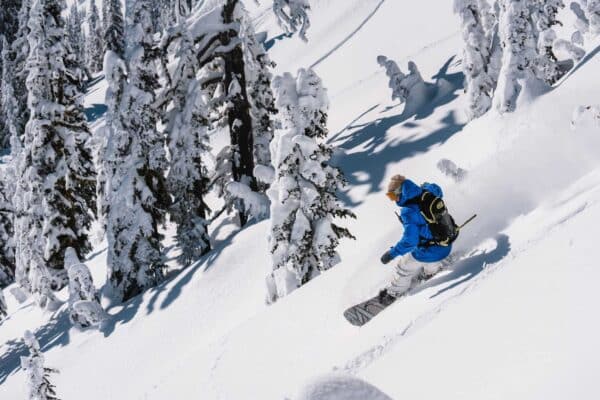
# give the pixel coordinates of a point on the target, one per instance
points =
(386, 257)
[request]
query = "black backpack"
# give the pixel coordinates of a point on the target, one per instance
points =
(441, 224)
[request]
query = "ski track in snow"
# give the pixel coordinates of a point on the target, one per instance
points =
(345, 40)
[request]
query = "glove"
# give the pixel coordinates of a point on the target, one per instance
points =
(386, 257)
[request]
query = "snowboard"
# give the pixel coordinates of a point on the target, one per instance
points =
(362, 313)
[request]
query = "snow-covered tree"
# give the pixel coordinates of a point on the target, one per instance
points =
(3, 306)
(38, 375)
(55, 178)
(292, 16)
(303, 237)
(476, 57)
(8, 30)
(235, 163)
(519, 46)
(7, 244)
(258, 68)
(114, 26)
(134, 162)
(75, 32)
(544, 18)
(592, 11)
(188, 142)
(582, 23)
(94, 45)
(18, 75)
(84, 302)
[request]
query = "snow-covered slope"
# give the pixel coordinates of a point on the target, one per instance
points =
(514, 318)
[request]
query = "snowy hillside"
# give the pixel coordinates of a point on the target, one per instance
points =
(513, 318)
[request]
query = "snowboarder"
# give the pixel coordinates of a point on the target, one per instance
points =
(428, 235)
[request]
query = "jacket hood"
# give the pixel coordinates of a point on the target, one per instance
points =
(409, 190)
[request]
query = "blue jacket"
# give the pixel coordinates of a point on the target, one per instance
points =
(415, 226)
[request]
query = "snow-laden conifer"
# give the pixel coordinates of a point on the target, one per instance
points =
(476, 57)
(592, 10)
(75, 33)
(303, 234)
(84, 303)
(134, 162)
(37, 374)
(258, 68)
(544, 18)
(188, 142)
(3, 306)
(519, 46)
(18, 55)
(114, 25)
(292, 16)
(7, 243)
(55, 191)
(94, 45)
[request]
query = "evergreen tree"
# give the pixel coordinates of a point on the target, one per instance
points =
(303, 237)
(55, 190)
(75, 33)
(237, 161)
(94, 43)
(544, 17)
(592, 11)
(38, 375)
(84, 302)
(519, 46)
(8, 30)
(3, 306)
(18, 56)
(7, 245)
(260, 95)
(476, 57)
(292, 16)
(114, 38)
(187, 133)
(135, 162)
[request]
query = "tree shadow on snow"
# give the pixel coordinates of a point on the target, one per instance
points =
(467, 269)
(367, 166)
(95, 112)
(54, 333)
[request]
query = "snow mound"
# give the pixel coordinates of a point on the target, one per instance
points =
(340, 387)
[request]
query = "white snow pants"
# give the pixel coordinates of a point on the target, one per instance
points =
(407, 274)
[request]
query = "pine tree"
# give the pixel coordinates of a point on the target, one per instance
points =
(519, 52)
(187, 132)
(476, 57)
(55, 189)
(3, 306)
(114, 38)
(84, 302)
(592, 11)
(75, 32)
(94, 45)
(292, 16)
(38, 375)
(303, 236)
(7, 245)
(258, 68)
(544, 17)
(135, 162)
(8, 30)
(18, 56)
(237, 161)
